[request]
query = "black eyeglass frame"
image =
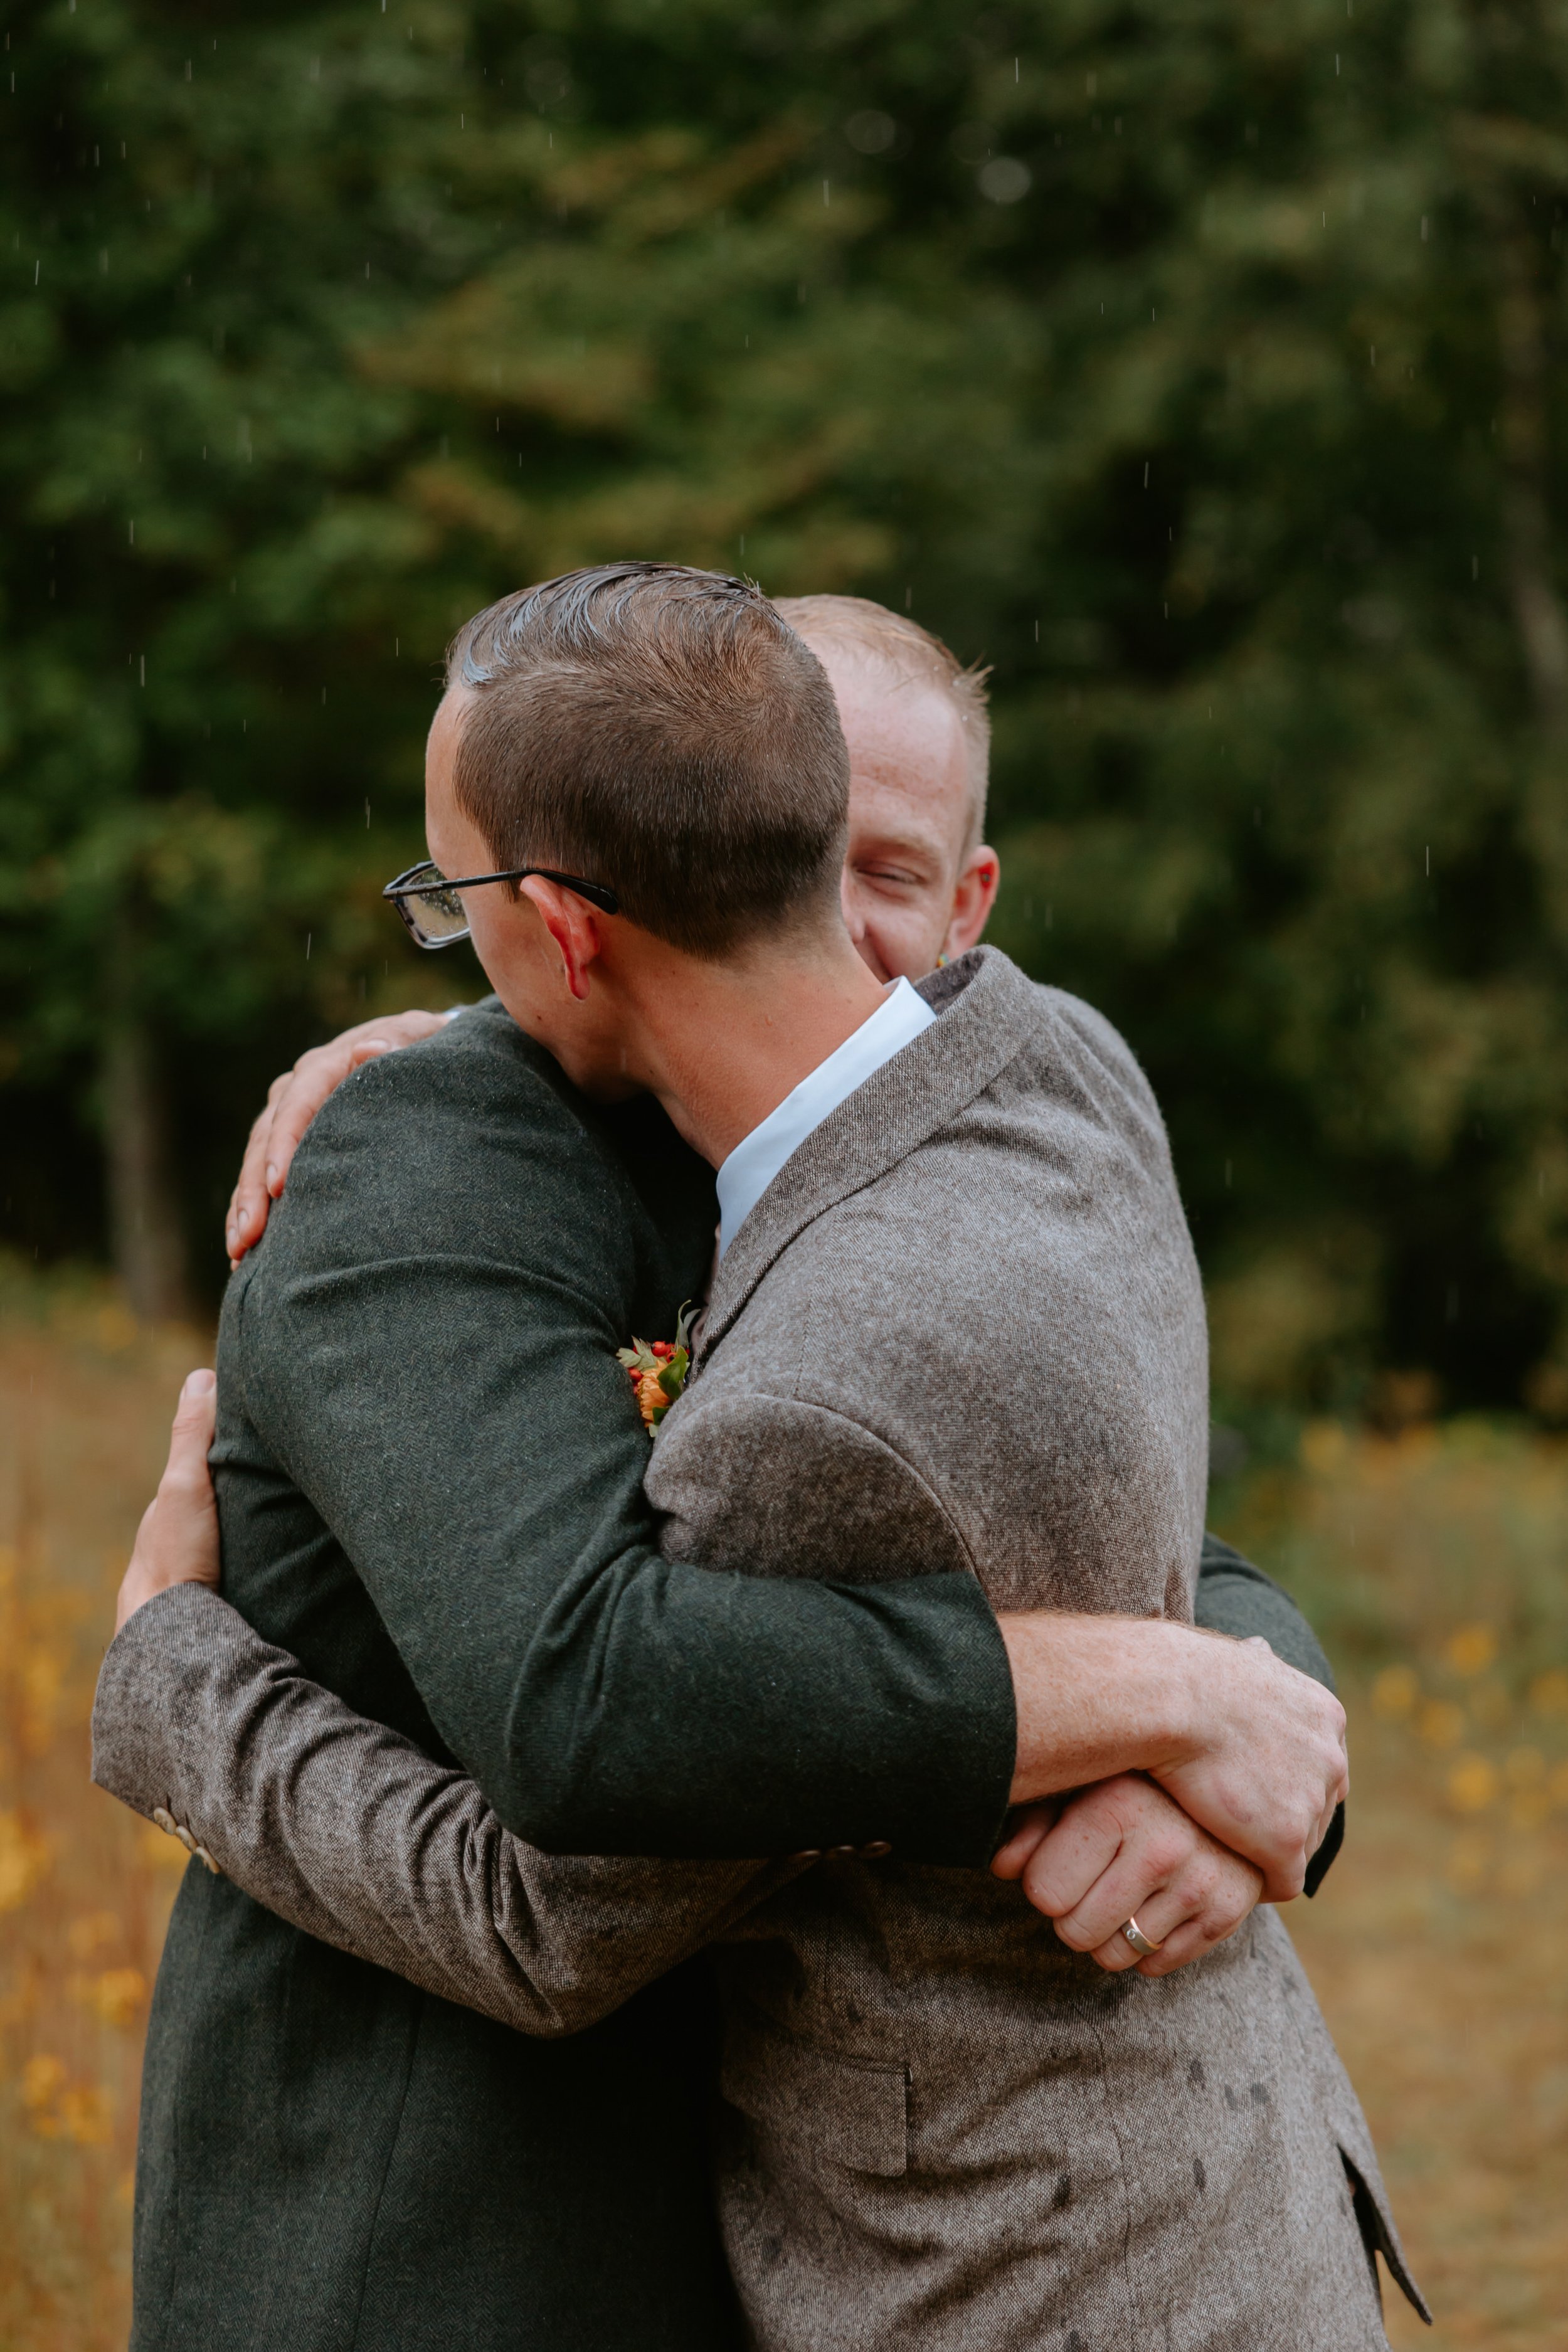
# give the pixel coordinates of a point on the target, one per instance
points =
(403, 886)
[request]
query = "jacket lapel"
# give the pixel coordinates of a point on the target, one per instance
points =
(982, 1000)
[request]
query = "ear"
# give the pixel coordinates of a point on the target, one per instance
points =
(574, 925)
(972, 901)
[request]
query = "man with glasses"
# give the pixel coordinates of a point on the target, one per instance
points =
(425, 1501)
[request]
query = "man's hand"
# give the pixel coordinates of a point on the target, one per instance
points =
(1253, 1752)
(1125, 1850)
(177, 1542)
(292, 1102)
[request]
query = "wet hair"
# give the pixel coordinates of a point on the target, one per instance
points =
(908, 654)
(663, 731)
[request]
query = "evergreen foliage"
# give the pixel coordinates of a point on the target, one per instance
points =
(1192, 364)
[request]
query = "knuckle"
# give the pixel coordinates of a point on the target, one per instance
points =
(1169, 1851)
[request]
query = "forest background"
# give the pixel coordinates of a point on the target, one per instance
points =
(1196, 365)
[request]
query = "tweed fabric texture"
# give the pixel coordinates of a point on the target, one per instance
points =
(352, 1832)
(968, 1308)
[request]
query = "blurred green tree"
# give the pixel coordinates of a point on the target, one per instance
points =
(1194, 367)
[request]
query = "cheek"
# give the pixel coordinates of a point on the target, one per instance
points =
(897, 943)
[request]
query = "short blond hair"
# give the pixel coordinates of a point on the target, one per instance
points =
(909, 652)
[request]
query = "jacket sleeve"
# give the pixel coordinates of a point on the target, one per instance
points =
(353, 1834)
(1237, 1599)
(423, 1344)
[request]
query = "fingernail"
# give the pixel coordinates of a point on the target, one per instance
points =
(271, 1172)
(198, 1383)
(232, 1236)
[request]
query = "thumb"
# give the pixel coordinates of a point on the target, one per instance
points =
(189, 1439)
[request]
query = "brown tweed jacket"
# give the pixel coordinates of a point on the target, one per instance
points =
(963, 1326)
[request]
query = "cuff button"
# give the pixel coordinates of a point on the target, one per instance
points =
(186, 1840)
(165, 1820)
(875, 1850)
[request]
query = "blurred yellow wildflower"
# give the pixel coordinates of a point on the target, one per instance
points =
(1473, 1784)
(90, 1934)
(60, 2109)
(1525, 1767)
(116, 1994)
(1549, 1692)
(23, 1858)
(1395, 1692)
(1442, 1723)
(1472, 1649)
(1557, 1784)
(42, 2077)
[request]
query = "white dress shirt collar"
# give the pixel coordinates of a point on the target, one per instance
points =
(758, 1156)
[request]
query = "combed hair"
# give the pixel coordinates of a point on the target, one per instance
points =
(910, 655)
(661, 730)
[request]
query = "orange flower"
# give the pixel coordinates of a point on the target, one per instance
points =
(657, 1373)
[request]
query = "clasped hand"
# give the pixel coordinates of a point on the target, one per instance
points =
(1124, 1849)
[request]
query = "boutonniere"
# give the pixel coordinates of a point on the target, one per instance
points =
(657, 1373)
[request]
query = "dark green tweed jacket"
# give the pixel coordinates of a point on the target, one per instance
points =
(429, 1473)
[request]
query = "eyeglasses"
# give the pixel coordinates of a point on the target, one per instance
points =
(433, 912)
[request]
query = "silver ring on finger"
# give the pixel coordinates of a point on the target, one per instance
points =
(1139, 1940)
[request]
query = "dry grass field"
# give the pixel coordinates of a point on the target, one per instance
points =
(1437, 1564)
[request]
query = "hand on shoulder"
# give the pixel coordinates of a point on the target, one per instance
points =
(292, 1101)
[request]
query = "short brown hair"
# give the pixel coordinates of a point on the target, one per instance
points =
(906, 651)
(661, 731)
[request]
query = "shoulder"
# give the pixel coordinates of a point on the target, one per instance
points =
(1069, 1053)
(1051, 1020)
(481, 1061)
(472, 1141)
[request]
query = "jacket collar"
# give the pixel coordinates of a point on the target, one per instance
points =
(984, 1003)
